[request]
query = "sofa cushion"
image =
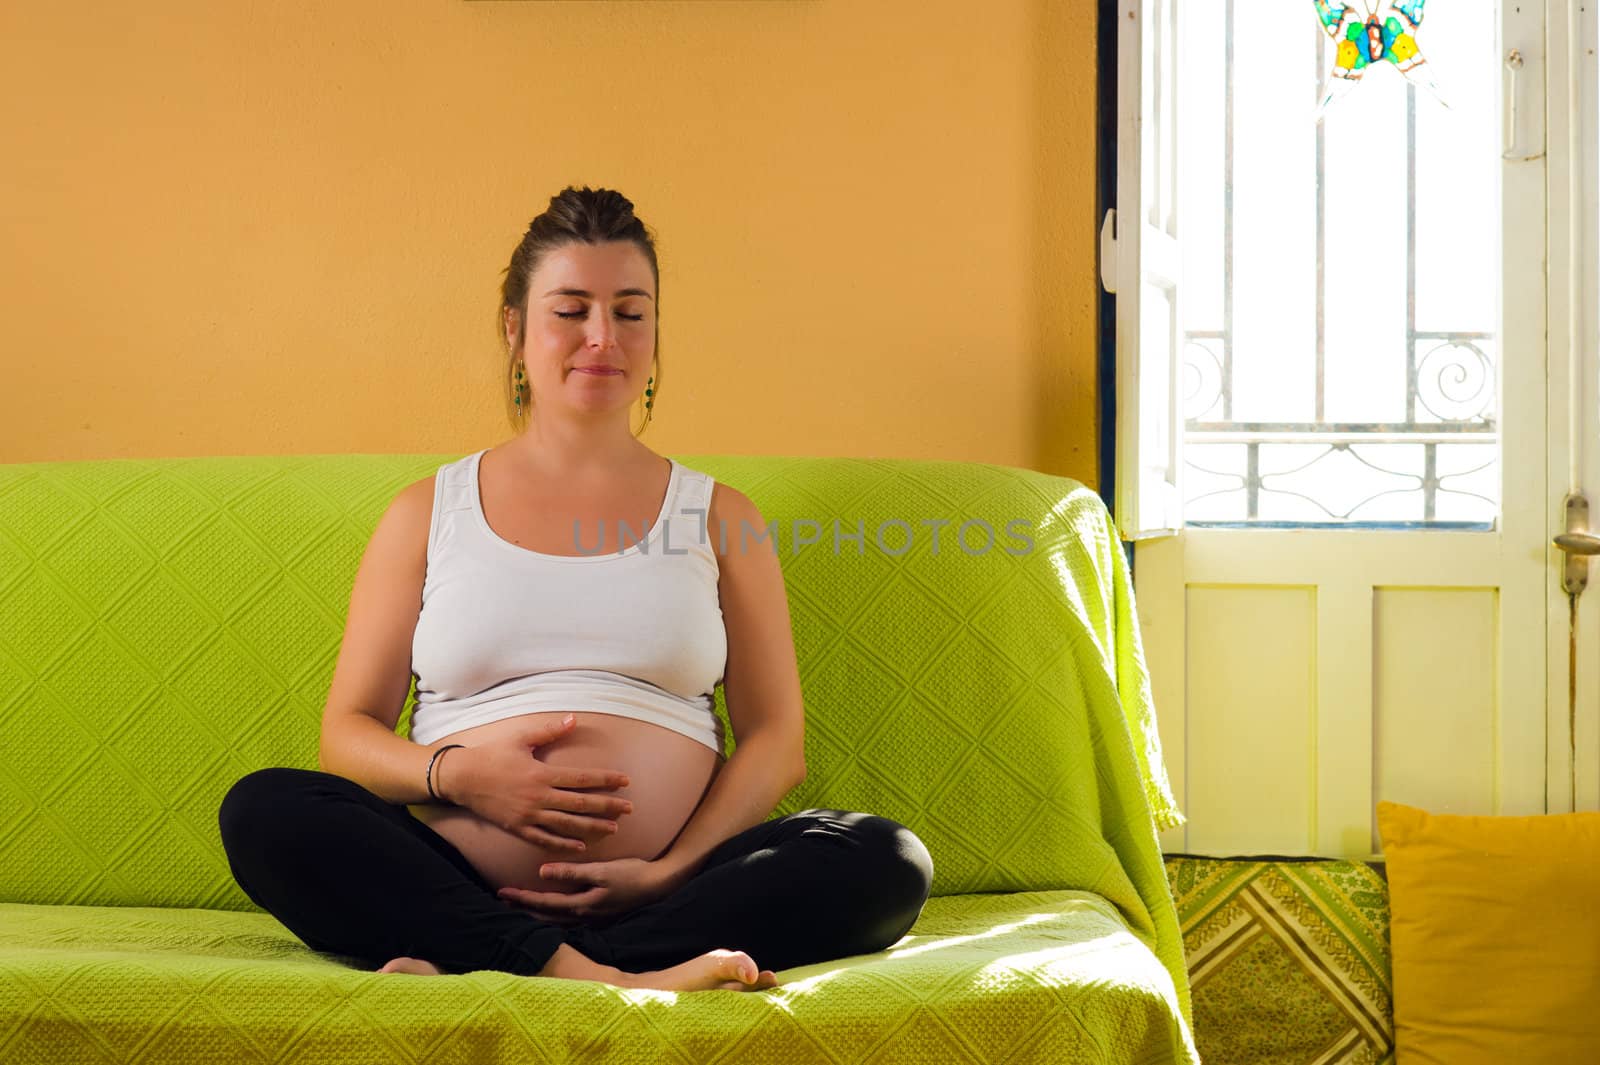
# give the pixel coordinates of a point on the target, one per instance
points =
(1496, 935)
(1288, 959)
(1043, 977)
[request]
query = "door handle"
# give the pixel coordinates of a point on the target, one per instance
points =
(1108, 251)
(1578, 543)
(1511, 154)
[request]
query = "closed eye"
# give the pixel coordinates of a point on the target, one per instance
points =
(584, 314)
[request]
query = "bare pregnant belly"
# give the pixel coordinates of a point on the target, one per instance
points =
(668, 774)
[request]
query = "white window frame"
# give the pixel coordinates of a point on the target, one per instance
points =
(1141, 260)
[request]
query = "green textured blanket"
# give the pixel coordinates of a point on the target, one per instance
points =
(168, 625)
(89, 984)
(995, 700)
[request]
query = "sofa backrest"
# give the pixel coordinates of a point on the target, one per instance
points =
(168, 625)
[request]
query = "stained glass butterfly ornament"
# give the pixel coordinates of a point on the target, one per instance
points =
(1370, 35)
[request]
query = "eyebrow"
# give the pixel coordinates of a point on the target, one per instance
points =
(590, 295)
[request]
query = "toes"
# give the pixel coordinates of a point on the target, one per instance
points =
(737, 965)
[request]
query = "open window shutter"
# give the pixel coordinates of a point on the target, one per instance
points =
(1140, 262)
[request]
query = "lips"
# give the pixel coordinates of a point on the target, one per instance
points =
(602, 371)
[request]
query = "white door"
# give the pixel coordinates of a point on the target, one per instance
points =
(1363, 602)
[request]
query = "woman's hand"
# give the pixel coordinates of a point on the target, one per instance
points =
(603, 888)
(503, 783)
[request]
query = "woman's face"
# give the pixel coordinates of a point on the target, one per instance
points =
(591, 308)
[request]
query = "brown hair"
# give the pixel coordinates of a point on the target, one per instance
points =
(590, 216)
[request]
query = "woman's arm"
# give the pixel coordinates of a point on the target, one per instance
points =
(499, 782)
(761, 690)
(373, 670)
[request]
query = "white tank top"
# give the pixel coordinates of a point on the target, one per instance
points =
(636, 632)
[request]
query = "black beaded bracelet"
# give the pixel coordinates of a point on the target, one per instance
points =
(429, 775)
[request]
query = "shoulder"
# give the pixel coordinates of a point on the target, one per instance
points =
(418, 492)
(744, 541)
(413, 504)
(415, 500)
(403, 528)
(729, 507)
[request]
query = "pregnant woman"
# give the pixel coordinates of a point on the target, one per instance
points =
(568, 601)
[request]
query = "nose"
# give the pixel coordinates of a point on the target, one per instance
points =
(601, 336)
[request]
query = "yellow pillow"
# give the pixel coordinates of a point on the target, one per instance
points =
(1495, 935)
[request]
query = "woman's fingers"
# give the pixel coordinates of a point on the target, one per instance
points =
(580, 803)
(545, 730)
(567, 831)
(535, 834)
(587, 778)
(554, 901)
(576, 825)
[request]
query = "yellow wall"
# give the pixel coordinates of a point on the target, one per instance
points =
(279, 228)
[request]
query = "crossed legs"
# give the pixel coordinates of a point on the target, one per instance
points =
(352, 875)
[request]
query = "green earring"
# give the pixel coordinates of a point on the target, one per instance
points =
(649, 390)
(517, 395)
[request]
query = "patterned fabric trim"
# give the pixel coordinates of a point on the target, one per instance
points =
(1288, 959)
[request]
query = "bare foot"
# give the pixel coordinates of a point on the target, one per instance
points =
(412, 965)
(718, 970)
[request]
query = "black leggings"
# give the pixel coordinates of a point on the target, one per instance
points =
(353, 875)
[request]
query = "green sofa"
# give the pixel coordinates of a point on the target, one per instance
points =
(169, 625)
